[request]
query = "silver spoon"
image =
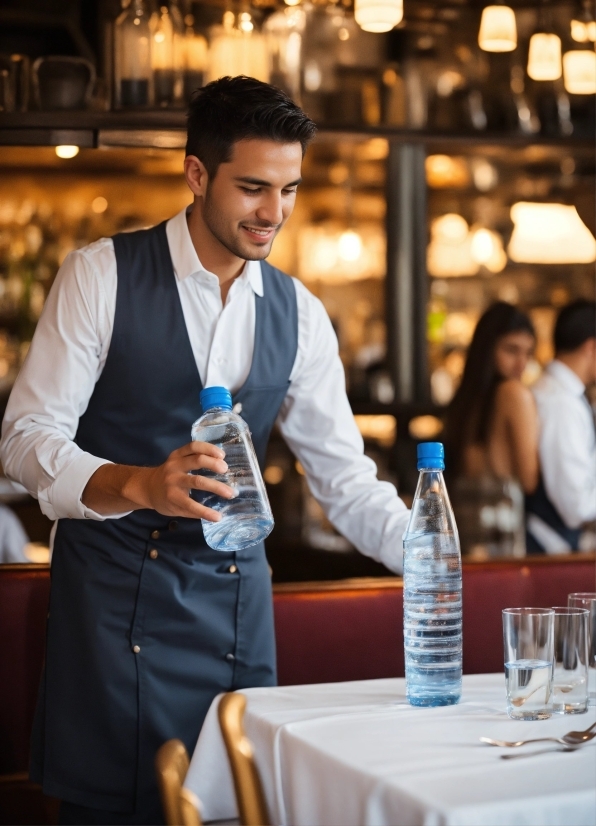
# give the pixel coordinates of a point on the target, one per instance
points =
(572, 738)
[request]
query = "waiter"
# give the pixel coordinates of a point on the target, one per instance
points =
(147, 624)
(566, 494)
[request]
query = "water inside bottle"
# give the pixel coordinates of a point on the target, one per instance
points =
(245, 521)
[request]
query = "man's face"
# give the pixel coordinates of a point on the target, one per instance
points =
(252, 196)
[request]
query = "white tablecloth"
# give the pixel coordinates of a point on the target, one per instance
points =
(356, 753)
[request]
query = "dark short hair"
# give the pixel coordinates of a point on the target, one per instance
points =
(232, 109)
(575, 324)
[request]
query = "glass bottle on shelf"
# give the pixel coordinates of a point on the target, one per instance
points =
(195, 58)
(283, 31)
(167, 54)
(132, 57)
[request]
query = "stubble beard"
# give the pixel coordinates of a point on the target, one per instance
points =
(219, 229)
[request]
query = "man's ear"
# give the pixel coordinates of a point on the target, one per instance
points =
(196, 176)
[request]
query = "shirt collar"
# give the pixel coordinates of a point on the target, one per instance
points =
(186, 262)
(566, 377)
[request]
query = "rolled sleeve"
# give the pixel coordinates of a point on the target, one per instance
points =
(63, 498)
(54, 386)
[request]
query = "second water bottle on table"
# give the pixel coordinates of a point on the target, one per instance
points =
(247, 518)
(432, 589)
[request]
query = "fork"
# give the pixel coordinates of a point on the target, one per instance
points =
(572, 738)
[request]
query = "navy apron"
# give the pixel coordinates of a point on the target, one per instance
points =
(147, 623)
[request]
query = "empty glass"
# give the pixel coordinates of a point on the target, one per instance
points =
(570, 679)
(587, 600)
(529, 653)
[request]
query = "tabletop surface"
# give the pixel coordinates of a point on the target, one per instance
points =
(357, 753)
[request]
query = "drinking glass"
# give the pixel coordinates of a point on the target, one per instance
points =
(529, 653)
(588, 601)
(570, 679)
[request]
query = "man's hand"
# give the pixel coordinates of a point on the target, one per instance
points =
(119, 488)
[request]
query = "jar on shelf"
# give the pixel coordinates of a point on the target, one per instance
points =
(133, 86)
(167, 58)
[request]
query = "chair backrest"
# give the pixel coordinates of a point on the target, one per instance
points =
(252, 807)
(180, 805)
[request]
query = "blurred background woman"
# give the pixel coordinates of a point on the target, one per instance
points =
(492, 424)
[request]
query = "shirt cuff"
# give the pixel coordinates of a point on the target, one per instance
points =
(63, 498)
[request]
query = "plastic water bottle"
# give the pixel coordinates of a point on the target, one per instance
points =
(432, 589)
(247, 518)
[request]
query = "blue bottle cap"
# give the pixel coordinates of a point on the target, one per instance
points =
(215, 397)
(431, 456)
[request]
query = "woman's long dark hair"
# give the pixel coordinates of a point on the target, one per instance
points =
(469, 414)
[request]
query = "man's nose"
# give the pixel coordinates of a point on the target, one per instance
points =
(271, 210)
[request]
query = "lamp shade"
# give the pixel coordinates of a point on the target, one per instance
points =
(498, 32)
(550, 234)
(544, 58)
(378, 15)
(579, 72)
(583, 31)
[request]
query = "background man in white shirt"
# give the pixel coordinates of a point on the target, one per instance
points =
(566, 495)
(147, 624)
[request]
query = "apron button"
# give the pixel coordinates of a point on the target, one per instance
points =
(232, 569)
(154, 534)
(136, 649)
(173, 526)
(153, 553)
(230, 658)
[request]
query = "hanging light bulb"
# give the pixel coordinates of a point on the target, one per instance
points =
(579, 72)
(583, 25)
(378, 15)
(544, 58)
(498, 32)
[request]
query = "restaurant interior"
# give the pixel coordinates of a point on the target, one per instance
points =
(454, 166)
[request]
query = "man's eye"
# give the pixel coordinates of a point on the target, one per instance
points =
(290, 191)
(250, 191)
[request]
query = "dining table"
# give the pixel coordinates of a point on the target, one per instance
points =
(357, 754)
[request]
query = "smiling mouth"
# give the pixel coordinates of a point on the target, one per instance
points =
(258, 233)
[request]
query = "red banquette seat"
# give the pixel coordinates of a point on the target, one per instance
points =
(326, 631)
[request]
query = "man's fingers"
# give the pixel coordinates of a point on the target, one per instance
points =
(195, 448)
(202, 462)
(197, 482)
(187, 507)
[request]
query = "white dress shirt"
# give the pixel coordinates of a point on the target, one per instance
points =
(567, 444)
(69, 350)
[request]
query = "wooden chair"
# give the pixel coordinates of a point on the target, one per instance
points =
(180, 806)
(252, 807)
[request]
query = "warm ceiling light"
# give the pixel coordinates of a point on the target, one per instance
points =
(579, 72)
(451, 228)
(487, 249)
(446, 171)
(544, 58)
(66, 151)
(583, 25)
(378, 15)
(498, 32)
(349, 245)
(550, 234)
(99, 204)
(449, 252)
